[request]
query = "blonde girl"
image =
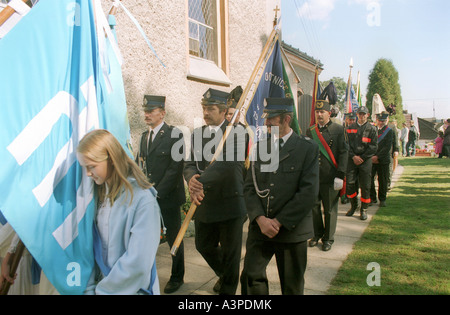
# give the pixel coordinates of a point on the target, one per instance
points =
(127, 220)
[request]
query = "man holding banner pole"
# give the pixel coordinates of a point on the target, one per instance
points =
(216, 187)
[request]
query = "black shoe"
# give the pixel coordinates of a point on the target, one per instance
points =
(218, 285)
(313, 242)
(383, 203)
(326, 246)
(363, 214)
(354, 203)
(351, 211)
(172, 286)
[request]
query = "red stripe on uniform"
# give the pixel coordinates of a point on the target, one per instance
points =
(366, 140)
(352, 196)
(365, 200)
(352, 130)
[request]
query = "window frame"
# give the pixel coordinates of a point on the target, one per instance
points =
(204, 70)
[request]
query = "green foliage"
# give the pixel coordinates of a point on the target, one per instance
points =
(384, 80)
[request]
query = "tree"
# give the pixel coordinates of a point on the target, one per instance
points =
(384, 80)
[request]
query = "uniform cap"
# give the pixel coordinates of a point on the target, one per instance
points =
(276, 106)
(153, 101)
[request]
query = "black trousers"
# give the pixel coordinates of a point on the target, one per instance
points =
(291, 263)
(220, 244)
(172, 221)
(361, 174)
(329, 198)
(383, 172)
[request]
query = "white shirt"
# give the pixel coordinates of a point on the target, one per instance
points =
(215, 128)
(155, 131)
(285, 137)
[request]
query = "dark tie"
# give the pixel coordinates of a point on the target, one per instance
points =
(150, 140)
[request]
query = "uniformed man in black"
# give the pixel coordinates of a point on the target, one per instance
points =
(349, 118)
(217, 189)
(166, 173)
(279, 198)
(332, 166)
(362, 140)
(387, 144)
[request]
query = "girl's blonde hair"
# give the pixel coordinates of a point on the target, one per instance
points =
(100, 145)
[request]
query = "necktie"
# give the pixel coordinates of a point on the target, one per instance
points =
(150, 140)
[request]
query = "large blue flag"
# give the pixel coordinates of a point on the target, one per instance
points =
(271, 85)
(116, 118)
(52, 93)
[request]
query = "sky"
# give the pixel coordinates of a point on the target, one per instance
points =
(413, 34)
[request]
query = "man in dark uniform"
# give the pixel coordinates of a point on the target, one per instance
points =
(362, 140)
(217, 189)
(167, 176)
(387, 144)
(333, 158)
(349, 118)
(279, 202)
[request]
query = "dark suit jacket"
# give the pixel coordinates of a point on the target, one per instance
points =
(386, 146)
(223, 180)
(334, 135)
(294, 187)
(161, 170)
(362, 141)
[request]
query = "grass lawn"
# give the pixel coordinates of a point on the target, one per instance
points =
(409, 239)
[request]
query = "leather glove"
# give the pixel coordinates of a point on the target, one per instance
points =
(338, 183)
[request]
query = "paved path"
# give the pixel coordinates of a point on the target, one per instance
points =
(322, 266)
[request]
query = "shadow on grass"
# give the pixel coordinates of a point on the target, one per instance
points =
(409, 239)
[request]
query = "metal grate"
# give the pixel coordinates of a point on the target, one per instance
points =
(202, 29)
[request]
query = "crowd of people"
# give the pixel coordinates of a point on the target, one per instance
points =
(280, 186)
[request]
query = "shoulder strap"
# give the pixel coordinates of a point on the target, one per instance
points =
(323, 146)
(385, 132)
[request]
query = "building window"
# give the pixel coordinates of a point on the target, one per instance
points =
(207, 31)
(203, 29)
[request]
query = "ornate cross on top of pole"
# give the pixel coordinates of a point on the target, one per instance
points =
(275, 21)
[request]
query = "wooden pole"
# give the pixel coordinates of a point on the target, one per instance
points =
(240, 104)
(7, 13)
(113, 10)
(14, 261)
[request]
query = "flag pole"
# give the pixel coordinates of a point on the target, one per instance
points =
(239, 106)
(349, 89)
(6, 13)
(312, 120)
(14, 261)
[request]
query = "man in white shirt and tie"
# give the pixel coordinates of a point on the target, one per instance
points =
(167, 176)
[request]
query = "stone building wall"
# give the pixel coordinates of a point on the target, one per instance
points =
(166, 25)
